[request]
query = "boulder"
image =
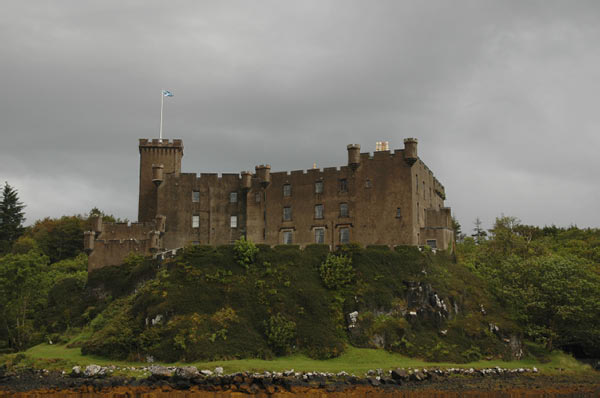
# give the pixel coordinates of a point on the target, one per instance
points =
(399, 374)
(94, 371)
(76, 371)
(186, 372)
(160, 372)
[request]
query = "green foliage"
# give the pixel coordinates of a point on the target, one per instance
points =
(11, 218)
(60, 238)
(245, 252)
(547, 280)
(24, 284)
(336, 272)
(281, 333)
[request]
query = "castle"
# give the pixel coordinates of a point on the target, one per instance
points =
(384, 198)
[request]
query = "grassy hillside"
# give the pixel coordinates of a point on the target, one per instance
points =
(212, 303)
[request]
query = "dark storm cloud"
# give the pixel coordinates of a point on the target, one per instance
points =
(502, 96)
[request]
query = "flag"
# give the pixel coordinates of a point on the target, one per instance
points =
(167, 93)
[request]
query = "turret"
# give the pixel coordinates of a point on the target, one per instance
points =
(155, 241)
(246, 180)
(88, 241)
(410, 150)
(153, 154)
(157, 174)
(353, 156)
(263, 172)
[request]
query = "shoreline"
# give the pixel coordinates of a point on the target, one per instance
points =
(96, 379)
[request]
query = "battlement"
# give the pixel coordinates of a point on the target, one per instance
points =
(158, 143)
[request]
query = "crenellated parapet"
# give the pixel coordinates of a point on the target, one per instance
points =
(109, 243)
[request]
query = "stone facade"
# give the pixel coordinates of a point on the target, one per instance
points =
(384, 198)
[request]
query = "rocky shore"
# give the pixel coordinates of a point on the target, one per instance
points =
(94, 378)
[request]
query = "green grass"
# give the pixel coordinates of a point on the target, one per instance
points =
(354, 360)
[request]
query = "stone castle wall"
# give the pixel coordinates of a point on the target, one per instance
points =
(381, 198)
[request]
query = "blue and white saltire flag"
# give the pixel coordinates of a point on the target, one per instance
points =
(167, 93)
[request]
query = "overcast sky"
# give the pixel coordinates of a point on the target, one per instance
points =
(503, 96)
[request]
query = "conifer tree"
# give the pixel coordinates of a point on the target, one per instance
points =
(11, 218)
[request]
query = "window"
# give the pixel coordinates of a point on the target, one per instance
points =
(432, 243)
(195, 243)
(287, 237)
(343, 209)
(343, 185)
(195, 196)
(233, 197)
(320, 235)
(257, 197)
(287, 190)
(398, 213)
(287, 214)
(368, 183)
(195, 221)
(417, 178)
(233, 222)
(319, 211)
(319, 187)
(344, 236)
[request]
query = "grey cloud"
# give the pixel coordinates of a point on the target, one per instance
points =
(502, 95)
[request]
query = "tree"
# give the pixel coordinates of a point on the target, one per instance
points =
(11, 218)
(24, 285)
(59, 238)
(458, 234)
(479, 233)
(556, 299)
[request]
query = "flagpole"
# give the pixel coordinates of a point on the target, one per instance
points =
(162, 99)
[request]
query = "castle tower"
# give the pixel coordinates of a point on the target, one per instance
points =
(154, 154)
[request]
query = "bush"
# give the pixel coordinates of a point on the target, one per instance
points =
(336, 272)
(281, 333)
(245, 252)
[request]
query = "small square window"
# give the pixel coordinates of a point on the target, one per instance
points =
(343, 185)
(287, 190)
(367, 183)
(343, 209)
(287, 237)
(233, 197)
(195, 221)
(195, 196)
(320, 235)
(257, 197)
(233, 222)
(398, 213)
(319, 187)
(319, 211)
(344, 236)
(432, 243)
(287, 214)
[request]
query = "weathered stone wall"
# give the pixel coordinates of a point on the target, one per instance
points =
(113, 252)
